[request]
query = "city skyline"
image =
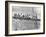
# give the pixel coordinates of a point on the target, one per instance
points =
(32, 11)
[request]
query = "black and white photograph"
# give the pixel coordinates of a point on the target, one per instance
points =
(25, 18)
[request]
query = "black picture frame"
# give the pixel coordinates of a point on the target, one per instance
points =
(6, 18)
